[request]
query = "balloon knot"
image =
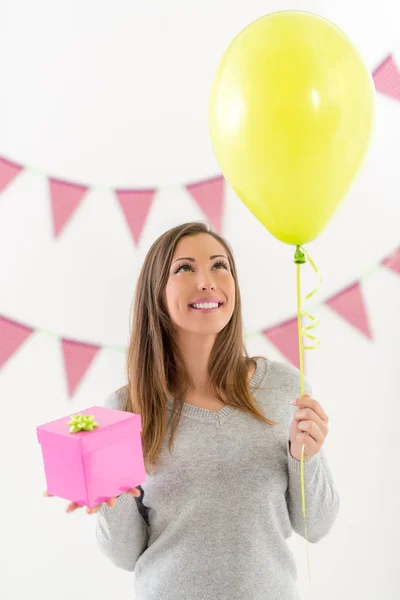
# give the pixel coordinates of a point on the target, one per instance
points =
(299, 258)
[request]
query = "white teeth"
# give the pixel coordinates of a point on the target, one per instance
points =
(206, 305)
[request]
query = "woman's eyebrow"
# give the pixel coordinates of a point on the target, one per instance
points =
(194, 260)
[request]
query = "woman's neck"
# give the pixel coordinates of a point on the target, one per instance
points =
(196, 350)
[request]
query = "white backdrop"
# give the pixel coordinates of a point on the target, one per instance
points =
(116, 95)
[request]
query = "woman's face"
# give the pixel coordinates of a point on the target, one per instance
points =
(200, 272)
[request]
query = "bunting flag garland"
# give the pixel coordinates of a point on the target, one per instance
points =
(209, 196)
(387, 78)
(8, 172)
(12, 336)
(77, 359)
(65, 199)
(66, 196)
(77, 355)
(350, 305)
(393, 261)
(284, 337)
(135, 205)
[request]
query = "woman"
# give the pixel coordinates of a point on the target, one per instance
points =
(223, 495)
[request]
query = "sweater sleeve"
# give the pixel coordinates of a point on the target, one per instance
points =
(321, 498)
(122, 532)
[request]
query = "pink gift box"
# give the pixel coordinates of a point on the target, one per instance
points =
(89, 467)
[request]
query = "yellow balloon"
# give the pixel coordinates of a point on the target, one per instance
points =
(291, 113)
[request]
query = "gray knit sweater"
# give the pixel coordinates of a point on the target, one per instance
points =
(213, 518)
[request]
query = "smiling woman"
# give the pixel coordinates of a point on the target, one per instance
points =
(190, 534)
(187, 335)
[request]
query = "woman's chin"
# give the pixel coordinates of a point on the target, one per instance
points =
(204, 328)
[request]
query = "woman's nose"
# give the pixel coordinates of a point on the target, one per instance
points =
(206, 282)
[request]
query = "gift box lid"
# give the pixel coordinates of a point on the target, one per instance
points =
(107, 419)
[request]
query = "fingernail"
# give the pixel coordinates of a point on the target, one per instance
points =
(294, 402)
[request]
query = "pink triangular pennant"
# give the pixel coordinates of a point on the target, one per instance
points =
(65, 199)
(12, 336)
(8, 172)
(393, 261)
(135, 205)
(387, 78)
(77, 359)
(350, 305)
(286, 338)
(209, 195)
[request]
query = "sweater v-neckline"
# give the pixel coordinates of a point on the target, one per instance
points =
(205, 414)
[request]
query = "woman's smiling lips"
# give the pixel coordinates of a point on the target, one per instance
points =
(206, 304)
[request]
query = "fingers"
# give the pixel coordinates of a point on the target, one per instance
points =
(72, 506)
(308, 414)
(312, 430)
(311, 426)
(310, 444)
(307, 402)
(93, 509)
(111, 502)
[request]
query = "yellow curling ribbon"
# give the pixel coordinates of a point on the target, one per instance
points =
(82, 423)
(300, 257)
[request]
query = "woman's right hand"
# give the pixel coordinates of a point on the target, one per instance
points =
(94, 509)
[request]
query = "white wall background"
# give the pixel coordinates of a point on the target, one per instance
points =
(115, 94)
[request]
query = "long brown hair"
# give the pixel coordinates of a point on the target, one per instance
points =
(155, 365)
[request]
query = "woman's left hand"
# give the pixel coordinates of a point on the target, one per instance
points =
(309, 427)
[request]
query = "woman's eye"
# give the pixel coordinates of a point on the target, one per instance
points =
(189, 267)
(221, 264)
